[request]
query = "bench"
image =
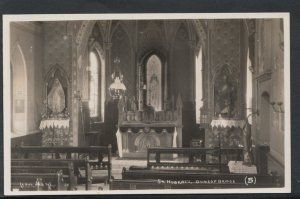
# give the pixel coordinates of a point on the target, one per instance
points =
(29, 170)
(68, 161)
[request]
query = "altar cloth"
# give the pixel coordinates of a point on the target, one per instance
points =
(54, 123)
(227, 123)
(239, 167)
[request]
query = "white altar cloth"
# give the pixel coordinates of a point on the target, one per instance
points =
(239, 167)
(224, 123)
(54, 123)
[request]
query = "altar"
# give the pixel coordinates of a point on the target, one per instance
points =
(139, 130)
(55, 117)
(226, 133)
(55, 132)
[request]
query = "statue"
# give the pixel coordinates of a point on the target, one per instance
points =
(225, 94)
(56, 98)
(248, 155)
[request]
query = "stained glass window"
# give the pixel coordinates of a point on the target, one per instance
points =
(198, 82)
(154, 82)
(249, 91)
(94, 85)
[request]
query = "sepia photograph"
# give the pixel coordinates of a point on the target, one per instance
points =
(146, 103)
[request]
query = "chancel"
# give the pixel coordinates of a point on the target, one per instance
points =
(146, 104)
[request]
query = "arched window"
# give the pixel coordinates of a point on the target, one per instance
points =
(198, 87)
(94, 85)
(154, 82)
(249, 91)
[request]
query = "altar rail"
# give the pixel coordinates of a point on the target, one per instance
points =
(86, 158)
(196, 157)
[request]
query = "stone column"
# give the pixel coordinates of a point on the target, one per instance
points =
(74, 102)
(108, 66)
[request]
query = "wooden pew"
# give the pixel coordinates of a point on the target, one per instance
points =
(38, 181)
(33, 169)
(81, 158)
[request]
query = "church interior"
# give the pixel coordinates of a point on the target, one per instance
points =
(193, 98)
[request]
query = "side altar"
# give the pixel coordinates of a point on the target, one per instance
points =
(142, 129)
(55, 121)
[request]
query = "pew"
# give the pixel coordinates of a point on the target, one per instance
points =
(69, 161)
(26, 171)
(38, 181)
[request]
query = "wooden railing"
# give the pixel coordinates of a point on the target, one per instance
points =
(192, 154)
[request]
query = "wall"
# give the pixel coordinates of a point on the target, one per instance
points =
(56, 45)
(66, 45)
(122, 48)
(269, 76)
(226, 49)
(224, 75)
(26, 38)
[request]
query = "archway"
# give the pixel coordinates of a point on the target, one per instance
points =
(19, 92)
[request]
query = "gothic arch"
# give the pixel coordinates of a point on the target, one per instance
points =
(200, 30)
(217, 70)
(19, 90)
(224, 78)
(82, 36)
(187, 29)
(54, 69)
(100, 52)
(63, 78)
(121, 25)
(95, 45)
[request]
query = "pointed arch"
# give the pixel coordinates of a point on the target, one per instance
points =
(154, 76)
(96, 81)
(19, 91)
(82, 36)
(123, 27)
(183, 25)
(225, 88)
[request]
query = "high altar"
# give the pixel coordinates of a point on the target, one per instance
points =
(140, 129)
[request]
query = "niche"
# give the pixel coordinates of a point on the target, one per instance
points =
(225, 93)
(56, 93)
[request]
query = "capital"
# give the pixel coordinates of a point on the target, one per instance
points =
(107, 45)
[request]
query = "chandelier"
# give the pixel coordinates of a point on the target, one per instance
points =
(117, 88)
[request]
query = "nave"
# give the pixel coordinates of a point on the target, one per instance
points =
(205, 95)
